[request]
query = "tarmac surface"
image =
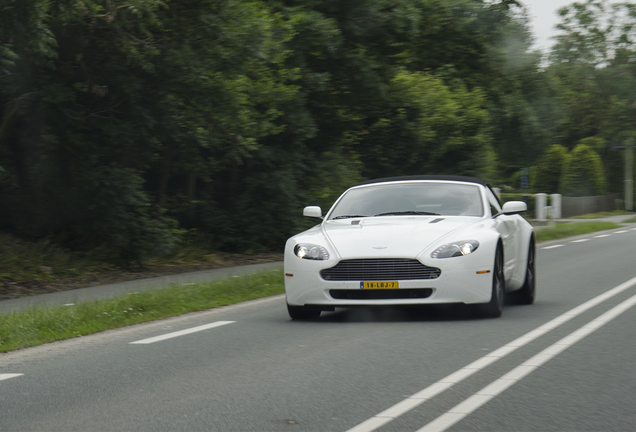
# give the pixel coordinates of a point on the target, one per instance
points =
(112, 290)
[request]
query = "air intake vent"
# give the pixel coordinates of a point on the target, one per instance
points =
(385, 269)
(390, 294)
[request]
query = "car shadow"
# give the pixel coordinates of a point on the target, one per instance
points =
(447, 312)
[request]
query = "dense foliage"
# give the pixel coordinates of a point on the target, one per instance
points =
(583, 173)
(593, 71)
(132, 125)
(550, 169)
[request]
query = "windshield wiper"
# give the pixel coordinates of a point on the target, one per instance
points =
(410, 212)
(348, 217)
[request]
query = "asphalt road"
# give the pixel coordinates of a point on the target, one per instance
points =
(562, 364)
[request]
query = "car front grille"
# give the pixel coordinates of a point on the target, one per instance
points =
(383, 269)
(381, 294)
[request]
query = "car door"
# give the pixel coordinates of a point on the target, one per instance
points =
(508, 227)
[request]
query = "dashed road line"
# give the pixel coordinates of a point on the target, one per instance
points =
(7, 376)
(553, 246)
(181, 333)
(588, 239)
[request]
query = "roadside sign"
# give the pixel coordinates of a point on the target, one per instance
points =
(524, 177)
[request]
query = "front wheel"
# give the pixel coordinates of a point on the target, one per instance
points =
(302, 312)
(526, 294)
(494, 308)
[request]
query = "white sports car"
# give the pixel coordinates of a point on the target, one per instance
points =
(411, 241)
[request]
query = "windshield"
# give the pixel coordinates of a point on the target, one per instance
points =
(422, 198)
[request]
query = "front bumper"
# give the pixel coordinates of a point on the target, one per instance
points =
(466, 279)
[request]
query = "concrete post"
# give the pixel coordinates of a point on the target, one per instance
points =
(549, 215)
(555, 201)
(540, 201)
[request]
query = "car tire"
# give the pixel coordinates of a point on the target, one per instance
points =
(494, 308)
(303, 312)
(526, 294)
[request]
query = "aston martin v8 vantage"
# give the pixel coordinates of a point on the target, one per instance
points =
(412, 241)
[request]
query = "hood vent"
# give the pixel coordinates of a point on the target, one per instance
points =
(436, 220)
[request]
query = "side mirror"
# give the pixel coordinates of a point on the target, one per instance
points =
(313, 212)
(514, 207)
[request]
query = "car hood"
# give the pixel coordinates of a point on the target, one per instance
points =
(392, 236)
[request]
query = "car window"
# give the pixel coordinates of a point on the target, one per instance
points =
(437, 198)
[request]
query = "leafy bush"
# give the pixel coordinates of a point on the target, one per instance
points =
(549, 172)
(122, 218)
(583, 173)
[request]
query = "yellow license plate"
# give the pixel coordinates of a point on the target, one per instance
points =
(380, 285)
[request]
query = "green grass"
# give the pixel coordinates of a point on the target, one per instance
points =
(39, 325)
(572, 229)
(632, 220)
(602, 214)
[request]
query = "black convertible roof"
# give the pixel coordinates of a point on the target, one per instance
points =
(427, 177)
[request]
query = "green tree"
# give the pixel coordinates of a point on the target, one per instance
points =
(124, 121)
(134, 104)
(594, 72)
(431, 127)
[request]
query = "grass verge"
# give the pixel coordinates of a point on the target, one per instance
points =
(602, 214)
(572, 229)
(41, 325)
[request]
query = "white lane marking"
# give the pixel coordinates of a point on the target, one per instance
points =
(602, 235)
(621, 232)
(579, 241)
(182, 332)
(633, 229)
(552, 247)
(497, 387)
(445, 383)
(7, 376)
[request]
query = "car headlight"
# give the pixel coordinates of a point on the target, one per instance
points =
(311, 251)
(459, 248)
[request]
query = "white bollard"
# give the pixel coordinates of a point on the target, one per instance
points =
(540, 201)
(555, 200)
(549, 214)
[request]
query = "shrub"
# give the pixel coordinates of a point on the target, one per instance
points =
(549, 172)
(583, 173)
